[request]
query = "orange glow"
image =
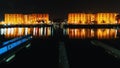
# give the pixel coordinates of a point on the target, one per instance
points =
(80, 33)
(44, 32)
(13, 32)
(14, 18)
(26, 18)
(76, 18)
(106, 33)
(99, 18)
(92, 33)
(106, 18)
(17, 32)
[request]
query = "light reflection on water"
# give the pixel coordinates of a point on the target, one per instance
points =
(100, 33)
(35, 31)
(80, 33)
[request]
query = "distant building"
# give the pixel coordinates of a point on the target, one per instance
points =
(106, 18)
(14, 18)
(26, 18)
(98, 18)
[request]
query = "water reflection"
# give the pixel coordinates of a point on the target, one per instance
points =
(82, 33)
(35, 31)
(100, 33)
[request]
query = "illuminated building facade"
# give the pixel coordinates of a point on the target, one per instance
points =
(14, 18)
(98, 18)
(106, 18)
(26, 18)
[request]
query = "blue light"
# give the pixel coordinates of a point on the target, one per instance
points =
(13, 43)
(23, 40)
(12, 40)
(10, 46)
(3, 50)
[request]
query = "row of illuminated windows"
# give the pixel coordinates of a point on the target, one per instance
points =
(100, 18)
(25, 19)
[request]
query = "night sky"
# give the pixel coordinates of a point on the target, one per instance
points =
(58, 9)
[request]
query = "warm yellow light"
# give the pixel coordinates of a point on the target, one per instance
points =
(100, 18)
(90, 33)
(26, 18)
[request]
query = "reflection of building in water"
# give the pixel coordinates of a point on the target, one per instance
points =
(16, 32)
(44, 31)
(80, 33)
(26, 18)
(106, 33)
(99, 18)
(92, 33)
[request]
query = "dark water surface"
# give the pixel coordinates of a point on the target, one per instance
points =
(44, 50)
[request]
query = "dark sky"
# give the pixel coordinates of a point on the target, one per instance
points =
(58, 8)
